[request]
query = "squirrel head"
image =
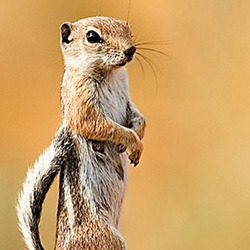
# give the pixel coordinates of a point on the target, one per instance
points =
(94, 43)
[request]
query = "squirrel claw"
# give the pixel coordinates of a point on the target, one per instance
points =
(134, 159)
(135, 164)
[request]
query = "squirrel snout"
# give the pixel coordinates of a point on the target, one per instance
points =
(130, 52)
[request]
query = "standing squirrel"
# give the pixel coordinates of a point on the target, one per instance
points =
(101, 130)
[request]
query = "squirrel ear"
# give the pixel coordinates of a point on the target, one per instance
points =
(65, 33)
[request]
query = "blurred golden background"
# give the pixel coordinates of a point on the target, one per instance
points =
(192, 187)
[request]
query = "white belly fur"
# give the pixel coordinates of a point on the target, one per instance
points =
(100, 182)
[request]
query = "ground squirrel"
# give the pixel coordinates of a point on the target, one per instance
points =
(101, 129)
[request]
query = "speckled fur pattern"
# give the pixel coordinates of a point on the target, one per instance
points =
(101, 130)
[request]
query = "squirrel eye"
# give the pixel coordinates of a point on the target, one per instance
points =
(93, 37)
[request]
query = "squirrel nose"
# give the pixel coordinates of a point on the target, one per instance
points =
(130, 51)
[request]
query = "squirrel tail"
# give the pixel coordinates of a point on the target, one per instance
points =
(38, 181)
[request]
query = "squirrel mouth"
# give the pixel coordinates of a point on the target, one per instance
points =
(121, 64)
(128, 59)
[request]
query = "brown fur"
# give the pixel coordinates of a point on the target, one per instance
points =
(84, 116)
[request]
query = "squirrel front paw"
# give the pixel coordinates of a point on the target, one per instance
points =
(135, 158)
(135, 149)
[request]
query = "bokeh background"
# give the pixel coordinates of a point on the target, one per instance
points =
(192, 188)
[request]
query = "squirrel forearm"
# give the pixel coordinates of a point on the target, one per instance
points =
(101, 128)
(84, 115)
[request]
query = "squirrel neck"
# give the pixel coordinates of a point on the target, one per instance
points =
(78, 84)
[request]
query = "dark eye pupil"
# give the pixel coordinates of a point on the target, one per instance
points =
(93, 37)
